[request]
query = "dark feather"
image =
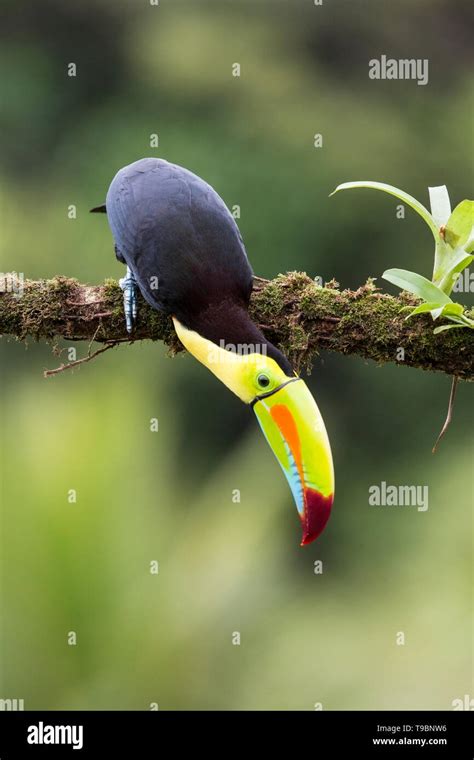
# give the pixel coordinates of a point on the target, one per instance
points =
(178, 238)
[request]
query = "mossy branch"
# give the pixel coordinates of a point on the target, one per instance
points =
(293, 311)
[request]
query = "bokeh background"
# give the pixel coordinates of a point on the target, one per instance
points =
(167, 496)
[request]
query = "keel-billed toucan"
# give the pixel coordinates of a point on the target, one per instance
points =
(185, 253)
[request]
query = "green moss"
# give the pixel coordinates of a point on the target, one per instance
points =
(294, 312)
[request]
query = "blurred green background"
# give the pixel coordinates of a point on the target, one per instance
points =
(167, 496)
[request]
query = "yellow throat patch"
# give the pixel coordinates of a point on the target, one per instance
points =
(238, 369)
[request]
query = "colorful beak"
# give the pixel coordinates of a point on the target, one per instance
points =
(294, 428)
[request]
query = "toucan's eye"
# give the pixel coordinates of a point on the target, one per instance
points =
(263, 380)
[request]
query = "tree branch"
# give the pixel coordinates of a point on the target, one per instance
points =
(292, 310)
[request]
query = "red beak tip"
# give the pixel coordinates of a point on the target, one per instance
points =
(308, 538)
(317, 511)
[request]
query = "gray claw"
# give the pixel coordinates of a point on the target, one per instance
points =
(129, 287)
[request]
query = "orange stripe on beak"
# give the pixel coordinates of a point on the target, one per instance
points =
(317, 507)
(285, 421)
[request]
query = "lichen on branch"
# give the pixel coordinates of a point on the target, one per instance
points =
(294, 312)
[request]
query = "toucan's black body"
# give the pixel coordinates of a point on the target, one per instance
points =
(184, 249)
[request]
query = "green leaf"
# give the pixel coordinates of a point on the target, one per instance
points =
(454, 255)
(460, 224)
(443, 255)
(440, 205)
(417, 284)
(469, 247)
(454, 309)
(421, 309)
(401, 195)
(450, 255)
(451, 238)
(436, 313)
(442, 328)
(455, 313)
(457, 262)
(465, 320)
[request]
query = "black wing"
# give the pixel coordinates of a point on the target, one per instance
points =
(178, 238)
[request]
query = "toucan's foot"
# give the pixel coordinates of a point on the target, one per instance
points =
(129, 287)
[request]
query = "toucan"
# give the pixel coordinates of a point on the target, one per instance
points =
(184, 252)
